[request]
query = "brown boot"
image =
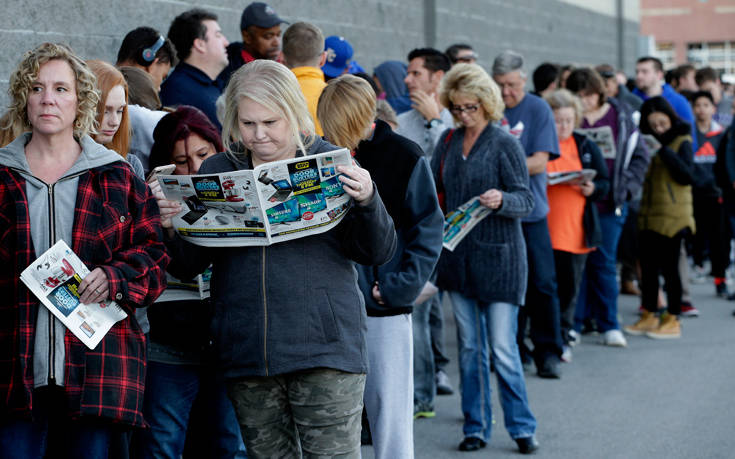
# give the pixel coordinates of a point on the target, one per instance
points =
(647, 322)
(670, 328)
(629, 288)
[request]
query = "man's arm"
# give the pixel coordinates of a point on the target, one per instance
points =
(536, 163)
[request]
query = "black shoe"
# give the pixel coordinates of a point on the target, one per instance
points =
(721, 290)
(549, 368)
(527, 445)
(471, 444)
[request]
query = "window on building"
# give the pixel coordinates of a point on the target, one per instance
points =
(720, 55)
(667, 54)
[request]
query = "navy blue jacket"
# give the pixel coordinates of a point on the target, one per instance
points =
(401, 173)
(187, 85)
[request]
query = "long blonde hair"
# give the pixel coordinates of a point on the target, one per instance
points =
(275, 87)
(346, 110)
(22, 78)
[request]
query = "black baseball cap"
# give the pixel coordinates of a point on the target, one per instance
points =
(260, 15)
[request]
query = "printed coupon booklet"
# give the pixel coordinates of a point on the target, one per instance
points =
(276, 201)
(54, 278)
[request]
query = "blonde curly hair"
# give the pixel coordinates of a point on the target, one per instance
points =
(22, 78)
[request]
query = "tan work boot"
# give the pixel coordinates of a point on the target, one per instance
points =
(670, 328)
(647, 322)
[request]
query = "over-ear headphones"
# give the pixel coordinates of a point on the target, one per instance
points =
(149, 54)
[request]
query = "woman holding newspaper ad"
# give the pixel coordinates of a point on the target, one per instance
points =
(289, 319)
(485, 275)
(180, 364)
(56, 184)
(574, 225)
(627, 161)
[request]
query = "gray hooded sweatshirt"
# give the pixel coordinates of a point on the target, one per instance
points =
(51, 210)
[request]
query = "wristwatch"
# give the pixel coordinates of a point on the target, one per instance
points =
(432, 123)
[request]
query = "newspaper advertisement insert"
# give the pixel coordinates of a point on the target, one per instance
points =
(458, 223)
(54, 278)
(276, 201)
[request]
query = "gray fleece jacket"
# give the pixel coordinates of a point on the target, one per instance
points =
(47, 202)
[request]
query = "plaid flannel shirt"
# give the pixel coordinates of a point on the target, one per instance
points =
(116, 227)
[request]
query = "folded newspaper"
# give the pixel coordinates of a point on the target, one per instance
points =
(458, 223)
(54, 278)
(181, 290)
(571, 177)
(603, 138)
(275, 202)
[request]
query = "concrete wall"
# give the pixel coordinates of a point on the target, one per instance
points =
(544, 30)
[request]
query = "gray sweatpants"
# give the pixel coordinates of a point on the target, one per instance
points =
(389, 386)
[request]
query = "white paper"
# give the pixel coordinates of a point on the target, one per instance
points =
(603, 138)
(458, 223)
(54, 278)
(276, 201)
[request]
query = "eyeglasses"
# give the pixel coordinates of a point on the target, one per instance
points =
(458, 109)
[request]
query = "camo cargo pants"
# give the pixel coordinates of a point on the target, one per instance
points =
(316, 412)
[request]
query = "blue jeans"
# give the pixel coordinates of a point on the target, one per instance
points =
(542, 300)
(598, 292)
(52, 430)
(171, 391)
(424, 382)
(494, 324)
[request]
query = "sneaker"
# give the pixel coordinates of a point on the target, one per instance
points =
(698, 275)
(443, 384)
(721, 290)
(687, 310)
(614, 338)
(647, 322)
(566, 354)
(548, 368)
(574, 337)
(670, 328)
(421, 410)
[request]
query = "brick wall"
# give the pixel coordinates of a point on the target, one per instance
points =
(543, 30)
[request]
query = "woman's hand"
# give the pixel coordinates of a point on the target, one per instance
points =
(94, 288)
(356, 182)
(492, 198)
(587, 188)
(376, 294)
(167, 208)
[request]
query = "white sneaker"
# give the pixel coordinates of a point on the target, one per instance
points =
(614, 338)
(574, 338)
(566, 355)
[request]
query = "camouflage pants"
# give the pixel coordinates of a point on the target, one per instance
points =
(317, 412)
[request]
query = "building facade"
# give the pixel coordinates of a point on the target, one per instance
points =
(583, 32)
(700, 32)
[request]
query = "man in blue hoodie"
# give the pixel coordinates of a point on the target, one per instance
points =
(649, 79)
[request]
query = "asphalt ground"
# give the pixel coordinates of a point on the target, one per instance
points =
(653, 399)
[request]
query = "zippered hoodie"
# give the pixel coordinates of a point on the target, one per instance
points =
(294, 305)
(46, 203)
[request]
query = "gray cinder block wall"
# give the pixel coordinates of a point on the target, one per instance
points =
(543, 30)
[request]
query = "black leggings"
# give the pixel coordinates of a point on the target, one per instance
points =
(660, 255)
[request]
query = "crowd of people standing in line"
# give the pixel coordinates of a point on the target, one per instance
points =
(352, 352)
